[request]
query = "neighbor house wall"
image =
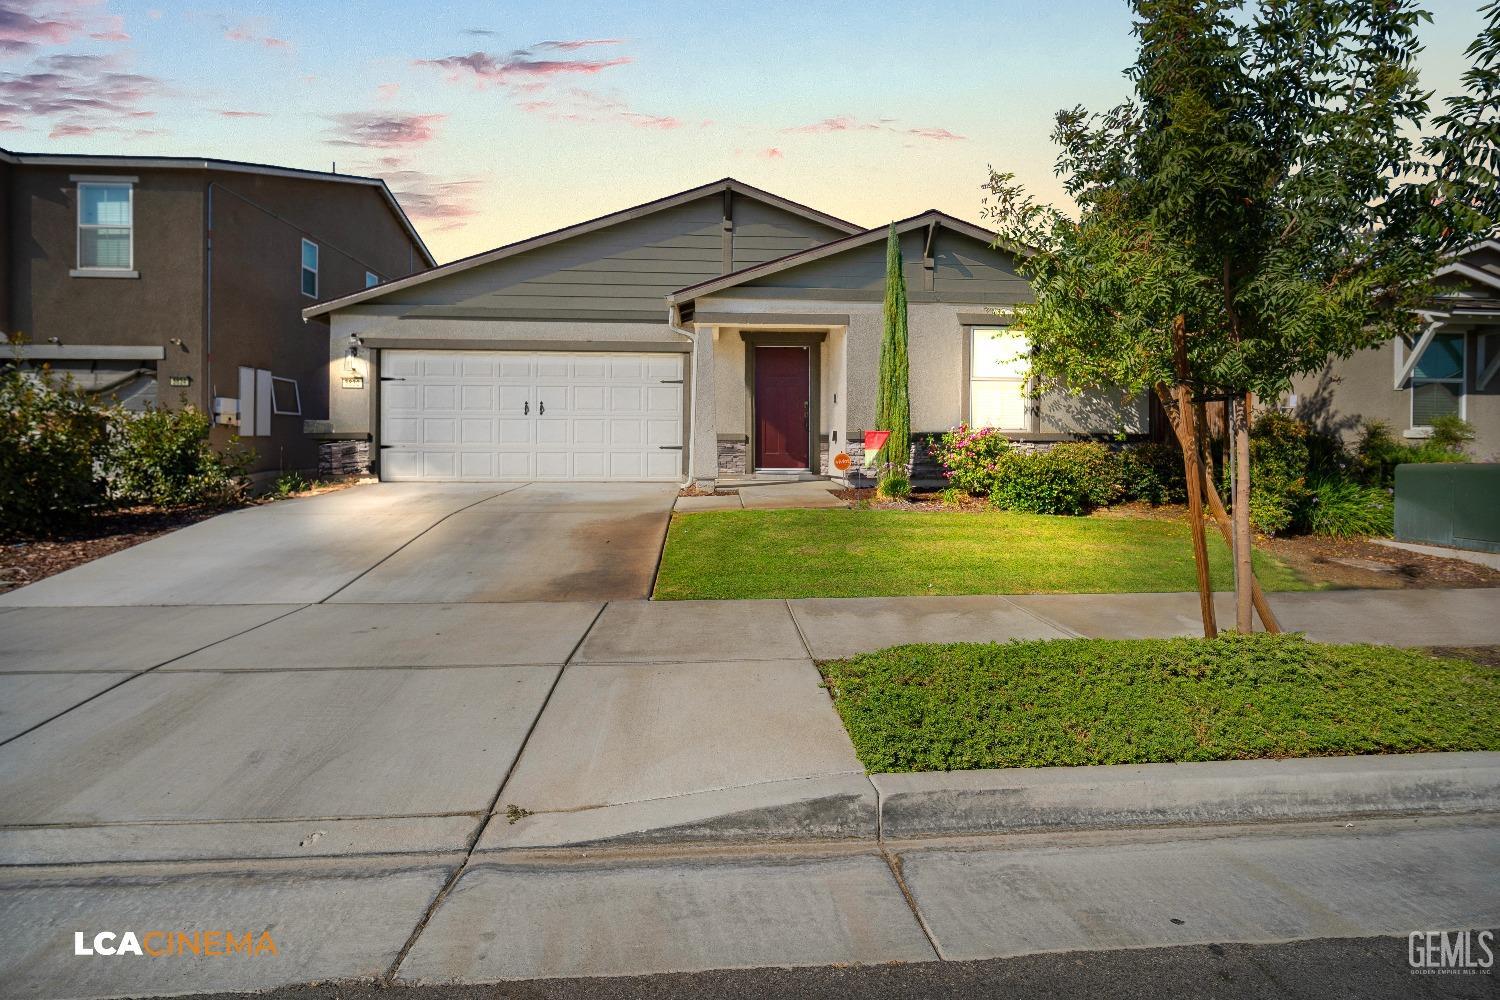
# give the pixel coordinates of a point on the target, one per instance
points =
(165, 301)
(1347, 392)
(259, 223)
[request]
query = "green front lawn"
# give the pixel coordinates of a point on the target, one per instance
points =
(884, 553)
(1068, 702)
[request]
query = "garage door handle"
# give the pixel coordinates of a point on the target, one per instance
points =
(526, 407)
(541, 408)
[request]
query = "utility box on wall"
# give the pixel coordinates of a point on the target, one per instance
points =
(1454, 504)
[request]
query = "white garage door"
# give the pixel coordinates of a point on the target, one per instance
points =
(502, 415)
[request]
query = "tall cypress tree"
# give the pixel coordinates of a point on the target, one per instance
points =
(893, 405)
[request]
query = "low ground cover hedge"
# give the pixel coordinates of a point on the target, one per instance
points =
(1094, 701)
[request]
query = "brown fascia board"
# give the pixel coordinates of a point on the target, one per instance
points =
(579, 229)
(822, 250)
(227, 166)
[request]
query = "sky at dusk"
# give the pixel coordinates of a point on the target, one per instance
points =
(496, 121)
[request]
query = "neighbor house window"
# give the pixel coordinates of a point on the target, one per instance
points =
(105, 227)
(285, 398)
(371, 279)
(309, 269)
(998, 362)
(1437, 383)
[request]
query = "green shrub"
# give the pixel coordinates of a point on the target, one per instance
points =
(1342, 508)
(1067, 479)
(51, 437)
(1279, 460)
(894, 487)
(1152, 473)
(969, 457)
(290, 482)
(164, 457)
(1379, 452)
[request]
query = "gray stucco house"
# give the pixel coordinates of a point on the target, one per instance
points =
(1452, 366)
(718, 332)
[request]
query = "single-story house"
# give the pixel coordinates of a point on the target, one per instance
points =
(716, 333)
(1451, 366)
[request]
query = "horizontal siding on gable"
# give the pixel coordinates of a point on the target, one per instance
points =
(964, 269)
(764, 232)
(631, 261)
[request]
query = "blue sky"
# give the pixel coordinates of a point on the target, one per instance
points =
(495, 121)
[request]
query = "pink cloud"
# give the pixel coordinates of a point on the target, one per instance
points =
(938, 134)
(516, 68)
(387, 91)
(663, 122)
(253, 33)
(426, 198)
(773, 153)
(243, 114)
(78, 91)
(384, 131)
(848, 123)
(26, 25)
(578, 43)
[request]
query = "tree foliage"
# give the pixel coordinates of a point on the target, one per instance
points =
(893, 404)
(1262, 188)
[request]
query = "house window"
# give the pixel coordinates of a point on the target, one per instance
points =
(998, 363)
(371, 279)
(285, 397)
(105, 227)
(309, 269)
(1437, 382)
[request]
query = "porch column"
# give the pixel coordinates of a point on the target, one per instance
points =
(704, 460)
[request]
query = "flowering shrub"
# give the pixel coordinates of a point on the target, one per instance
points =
(1066, 479)
(970, 457)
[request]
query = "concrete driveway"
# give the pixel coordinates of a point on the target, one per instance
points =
(403, 543)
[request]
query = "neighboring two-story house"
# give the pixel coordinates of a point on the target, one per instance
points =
(180, 280)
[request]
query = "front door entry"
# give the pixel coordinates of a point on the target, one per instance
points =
(781, 408)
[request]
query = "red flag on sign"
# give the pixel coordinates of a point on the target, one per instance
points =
(874, 441)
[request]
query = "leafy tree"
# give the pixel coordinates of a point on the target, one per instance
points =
(1257, 206)
(893, 405)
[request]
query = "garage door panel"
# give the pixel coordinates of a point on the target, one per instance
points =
(474, 431)
(513, 431)
(496, 415)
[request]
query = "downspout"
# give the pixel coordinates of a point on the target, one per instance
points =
(208, 304)
(673, 324)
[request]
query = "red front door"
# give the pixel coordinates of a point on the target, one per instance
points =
(781, 408)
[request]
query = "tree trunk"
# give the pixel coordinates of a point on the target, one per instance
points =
(1192, 466)
(1220, 514)
(1244, 618)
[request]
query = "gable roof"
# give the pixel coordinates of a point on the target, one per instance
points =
(578, 229)
(930, 217)
(228, 166)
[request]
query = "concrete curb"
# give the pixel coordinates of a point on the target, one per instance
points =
(958, 803)
(832, 808)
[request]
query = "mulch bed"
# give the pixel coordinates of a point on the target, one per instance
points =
(29, 560)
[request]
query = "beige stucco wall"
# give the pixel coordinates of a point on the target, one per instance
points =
(1348, 392)
(936, 343)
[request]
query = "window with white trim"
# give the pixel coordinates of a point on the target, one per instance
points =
(998, 365)
(309, 269)
(1437, 382)
(106, 226)
(286, 398)
(371, 279)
